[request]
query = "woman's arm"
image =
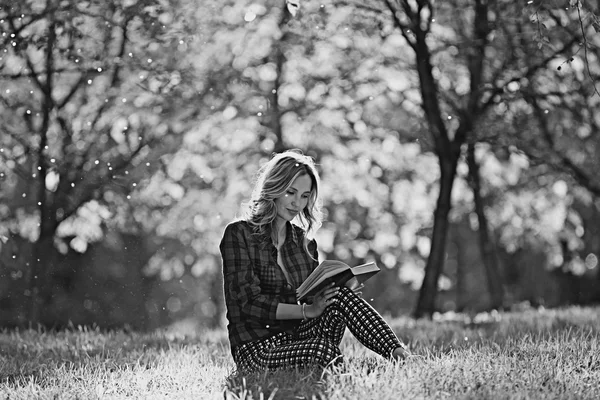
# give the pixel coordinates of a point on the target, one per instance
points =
(289, 311)
(243, 294)
(320, 302)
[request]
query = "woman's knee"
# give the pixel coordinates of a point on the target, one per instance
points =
(347, 295)
(249, 359)
(348, 303)
(345, 300)
(326, 352)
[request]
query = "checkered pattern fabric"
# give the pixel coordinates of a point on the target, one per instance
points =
(317, 341)
(254, 284)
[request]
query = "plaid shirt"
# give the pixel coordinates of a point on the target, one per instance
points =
(254, 284)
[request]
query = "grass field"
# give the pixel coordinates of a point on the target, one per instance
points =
(532, 354)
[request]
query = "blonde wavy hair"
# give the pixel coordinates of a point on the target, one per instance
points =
(273, 180)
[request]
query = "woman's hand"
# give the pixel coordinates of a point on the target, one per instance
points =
(358, 290)
(321, 300)
(354, 285)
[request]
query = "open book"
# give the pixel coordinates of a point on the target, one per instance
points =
(334, 271)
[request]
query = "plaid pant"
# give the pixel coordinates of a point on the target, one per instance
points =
(317, 341)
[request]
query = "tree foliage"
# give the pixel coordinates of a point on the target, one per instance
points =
(140, 124)
(85, 85)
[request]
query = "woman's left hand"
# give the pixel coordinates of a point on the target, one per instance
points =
(358, 290)
(354, 285)
(321, 300)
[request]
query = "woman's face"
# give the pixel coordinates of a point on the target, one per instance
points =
(295, 199)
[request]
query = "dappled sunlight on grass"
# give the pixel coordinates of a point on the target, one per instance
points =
(301, 383)
(527, 354)
(93, 364)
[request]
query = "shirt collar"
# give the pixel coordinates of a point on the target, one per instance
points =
(291, 230)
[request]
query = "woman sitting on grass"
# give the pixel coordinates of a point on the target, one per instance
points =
(266, 257)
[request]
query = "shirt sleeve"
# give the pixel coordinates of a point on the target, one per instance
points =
(241, 285)
(313, 249)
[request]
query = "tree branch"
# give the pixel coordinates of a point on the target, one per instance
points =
(36, 74)
(528, 73)
(91, 187)
(17, 30)
(30, 65)
(568, 165)
(17, 168)
(360, 6)
(121, 53)
(585, 50)
(403, 28)
(72, 92)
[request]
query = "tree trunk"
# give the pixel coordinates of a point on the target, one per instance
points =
(47, 225)
(275, 110)
(278, 57)
(448, 152)
(419, 16)
(435, 262)
(218, 301)
(486, 245)
(39, 272)
(461, 273)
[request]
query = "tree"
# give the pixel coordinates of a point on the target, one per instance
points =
(467, 60)
(327, 98)
(486, 243)
(562, 103)
(495, 54)
(415, 22)
(85, 85)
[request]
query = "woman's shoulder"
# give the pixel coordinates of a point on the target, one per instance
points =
(301, 233)
(239, 225)
(242, 231)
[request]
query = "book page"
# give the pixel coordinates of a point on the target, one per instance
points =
(324, 271)
(338, 272)
(363, 268)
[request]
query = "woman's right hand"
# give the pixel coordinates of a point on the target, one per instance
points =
(321, 300)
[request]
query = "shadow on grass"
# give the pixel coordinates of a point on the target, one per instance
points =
(18, 379)
(306, 383)
(302, 383)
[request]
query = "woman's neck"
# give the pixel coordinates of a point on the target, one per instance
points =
(280, 231)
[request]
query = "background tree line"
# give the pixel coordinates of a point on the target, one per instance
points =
(457, 144)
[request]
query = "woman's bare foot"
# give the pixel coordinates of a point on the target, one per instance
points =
(400, 354)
